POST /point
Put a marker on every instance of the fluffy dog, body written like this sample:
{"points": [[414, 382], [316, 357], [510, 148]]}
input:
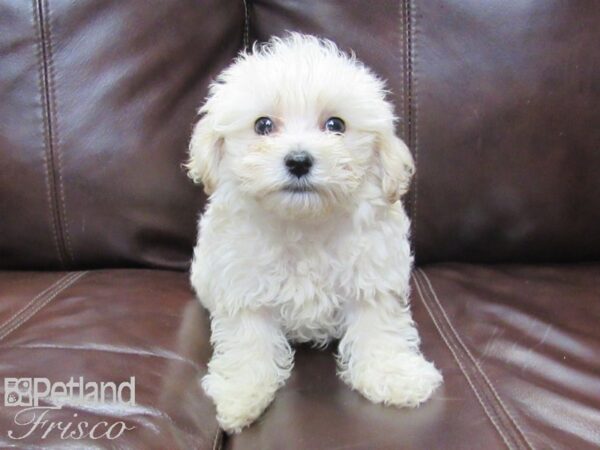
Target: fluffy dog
{"points": [[304, 238]]}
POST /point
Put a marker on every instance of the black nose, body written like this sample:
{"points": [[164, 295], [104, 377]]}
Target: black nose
{"points": [[298, 162]]}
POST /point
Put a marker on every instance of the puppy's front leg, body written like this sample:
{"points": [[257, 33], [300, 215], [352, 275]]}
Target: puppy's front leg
{"points": [[251, 359], [379, 354]]}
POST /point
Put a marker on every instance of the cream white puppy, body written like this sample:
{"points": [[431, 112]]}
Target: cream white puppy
{"points": [[304, 238]]}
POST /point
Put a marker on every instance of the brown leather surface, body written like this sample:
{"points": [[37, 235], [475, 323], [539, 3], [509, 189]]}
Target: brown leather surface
{"points": [[517, 374], [96, 114], [507, 105], [519, 348], [98, 100], [532, 334], [500, 104], [110, 325]]}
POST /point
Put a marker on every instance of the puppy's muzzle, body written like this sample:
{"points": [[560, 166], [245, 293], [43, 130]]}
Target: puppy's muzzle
{"points": [[298, 163]]}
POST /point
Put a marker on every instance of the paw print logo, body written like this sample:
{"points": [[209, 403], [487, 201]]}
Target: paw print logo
{"points": [[17, 392]]}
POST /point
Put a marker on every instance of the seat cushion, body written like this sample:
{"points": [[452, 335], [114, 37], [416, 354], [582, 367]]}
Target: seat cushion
{"points": [[519, 348], [109, 326]]}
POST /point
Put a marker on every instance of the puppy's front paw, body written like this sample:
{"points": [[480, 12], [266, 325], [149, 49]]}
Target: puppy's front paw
{"points": [[400, 379], [238, 401]]}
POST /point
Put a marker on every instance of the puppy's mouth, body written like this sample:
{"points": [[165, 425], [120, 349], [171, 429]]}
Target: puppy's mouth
{"points": [[298, 188]]}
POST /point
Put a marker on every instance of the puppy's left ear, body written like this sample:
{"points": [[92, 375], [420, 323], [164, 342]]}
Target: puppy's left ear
{"points": [[397, 166], [205, 153]]}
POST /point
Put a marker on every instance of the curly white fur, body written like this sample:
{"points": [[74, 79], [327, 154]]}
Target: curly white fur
{"points": [[331, 262]]}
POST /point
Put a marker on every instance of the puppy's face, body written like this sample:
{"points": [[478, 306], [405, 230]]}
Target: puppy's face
{"points": [[300, 127]]}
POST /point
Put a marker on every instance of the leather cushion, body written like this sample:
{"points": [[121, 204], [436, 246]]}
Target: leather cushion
{"points": [[519, 350], [110, 325], [98, 103]]}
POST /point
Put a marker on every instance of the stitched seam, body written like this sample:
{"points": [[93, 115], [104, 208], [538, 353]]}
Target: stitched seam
{"points": [[402, 70], [47, 153], [55, 135], [407, 68], [474, 362], [53, 156], [246, 25], [462, 368], [46, 291], [413, 109], [217, 439], [477, 375], [519, 432], [41, 304], [8, 326]]}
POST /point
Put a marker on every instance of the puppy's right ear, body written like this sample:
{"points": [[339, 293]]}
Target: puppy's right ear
{"points": [[397, 164], [206, 151]]}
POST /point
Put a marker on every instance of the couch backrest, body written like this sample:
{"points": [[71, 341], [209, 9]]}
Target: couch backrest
{"points": [[97, 102], [499, 102]]}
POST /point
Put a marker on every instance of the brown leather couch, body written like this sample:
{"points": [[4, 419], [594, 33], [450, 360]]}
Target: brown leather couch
{"points": [[498, 100]]}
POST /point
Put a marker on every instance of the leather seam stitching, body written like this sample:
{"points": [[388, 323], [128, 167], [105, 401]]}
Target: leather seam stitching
{"points": [[43, 301], [246, 37], [217, 441], [47, 153], [413, 110], [55, 135], [520, 435], [401, 45], [46, 291], [460, 363]]}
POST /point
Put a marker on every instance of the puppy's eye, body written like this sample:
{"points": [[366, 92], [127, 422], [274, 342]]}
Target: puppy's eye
{"points": [[263, 126], [335, 125]]}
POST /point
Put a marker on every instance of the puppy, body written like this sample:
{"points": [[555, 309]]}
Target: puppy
{"points": [[304, 238]]}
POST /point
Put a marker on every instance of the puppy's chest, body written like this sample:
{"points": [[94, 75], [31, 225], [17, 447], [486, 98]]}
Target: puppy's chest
{"points": [[314, 272], [311, 297]]}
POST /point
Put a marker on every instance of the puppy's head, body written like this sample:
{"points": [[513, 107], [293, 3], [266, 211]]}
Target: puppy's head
{"points": [[300, 127]]}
